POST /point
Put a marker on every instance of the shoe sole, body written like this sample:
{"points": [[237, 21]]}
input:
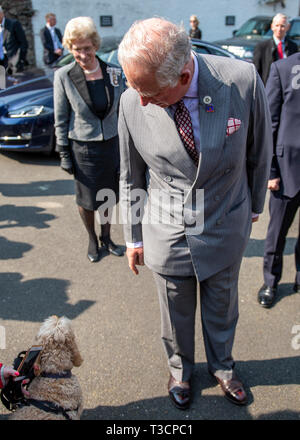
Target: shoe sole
{"points": [[182, 408]]}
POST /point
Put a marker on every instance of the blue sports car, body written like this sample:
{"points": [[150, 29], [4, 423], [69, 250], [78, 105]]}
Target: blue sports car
{"points": [[26, 109]]}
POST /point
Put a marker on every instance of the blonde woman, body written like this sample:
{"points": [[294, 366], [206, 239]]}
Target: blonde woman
{"points": [[195, 32], [86, 97]]}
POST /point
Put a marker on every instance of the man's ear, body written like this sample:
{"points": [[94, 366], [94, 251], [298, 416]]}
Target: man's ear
{"points": [[185, 77]]}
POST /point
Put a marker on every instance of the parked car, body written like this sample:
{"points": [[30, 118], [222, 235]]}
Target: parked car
{"points": [[203, 47], [246, 38], [26, 109], [294, 31], [252, 32]]}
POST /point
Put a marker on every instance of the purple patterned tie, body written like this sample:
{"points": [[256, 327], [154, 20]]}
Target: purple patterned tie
{"points": [[184, 126]]}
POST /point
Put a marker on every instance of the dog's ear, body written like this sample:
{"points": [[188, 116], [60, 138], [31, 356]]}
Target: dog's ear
{"points": [[76, 357]]}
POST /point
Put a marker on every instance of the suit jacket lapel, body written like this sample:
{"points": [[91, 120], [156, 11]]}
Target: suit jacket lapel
{"points": [[48, 36], [77, 76], [212, 124], [5, 31], [162, 126], [108, 87]]}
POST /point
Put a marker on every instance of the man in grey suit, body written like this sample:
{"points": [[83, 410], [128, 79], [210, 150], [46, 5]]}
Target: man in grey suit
{"points": [[195, 144]]}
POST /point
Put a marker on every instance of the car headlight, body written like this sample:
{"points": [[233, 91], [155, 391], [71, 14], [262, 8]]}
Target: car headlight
{"points": [[248, 54], [29, 111]]}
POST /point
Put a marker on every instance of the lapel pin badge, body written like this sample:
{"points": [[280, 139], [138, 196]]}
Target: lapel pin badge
{"points": [[209, 108], [114, 73]]}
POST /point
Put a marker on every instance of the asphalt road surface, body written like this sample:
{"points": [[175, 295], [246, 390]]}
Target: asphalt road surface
{"points": [[115, 314]]}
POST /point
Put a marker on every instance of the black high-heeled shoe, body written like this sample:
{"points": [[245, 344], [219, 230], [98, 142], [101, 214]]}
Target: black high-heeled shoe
{"points": [[93, 252], [111, 247]]}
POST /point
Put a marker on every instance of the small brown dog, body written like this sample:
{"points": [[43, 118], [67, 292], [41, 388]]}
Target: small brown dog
{"points": [[55, 393]]}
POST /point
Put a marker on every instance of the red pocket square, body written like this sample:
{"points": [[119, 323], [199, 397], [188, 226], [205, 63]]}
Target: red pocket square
{"points": [[232, 126]]}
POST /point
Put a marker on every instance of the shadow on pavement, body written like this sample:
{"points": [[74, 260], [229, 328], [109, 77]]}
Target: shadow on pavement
{"points": [[12, 249], [39, 188], [283, 290], [32, 158], [12, 216], [258, 373], [37, 299], [255, 248]]}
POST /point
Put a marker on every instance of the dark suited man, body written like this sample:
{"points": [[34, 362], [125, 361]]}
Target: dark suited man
{"points": [[13, 44], [275, 48], [51, 39], [191, 125], [283, 92]]}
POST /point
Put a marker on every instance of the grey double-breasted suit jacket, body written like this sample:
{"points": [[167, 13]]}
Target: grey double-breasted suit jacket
{"points": [[232, 172]]}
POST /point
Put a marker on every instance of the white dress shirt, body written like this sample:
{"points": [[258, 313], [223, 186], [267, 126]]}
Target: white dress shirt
{"points": [[277, 41], [56, 43]]}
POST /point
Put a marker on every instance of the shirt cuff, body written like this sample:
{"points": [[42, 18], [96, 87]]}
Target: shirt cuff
{"points": [[2, 380], [138, 244], [254, 215]]}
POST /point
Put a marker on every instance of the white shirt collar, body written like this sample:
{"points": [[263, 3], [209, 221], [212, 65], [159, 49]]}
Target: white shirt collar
{"points": [[51, 28], [277, 40], [193, 89]]}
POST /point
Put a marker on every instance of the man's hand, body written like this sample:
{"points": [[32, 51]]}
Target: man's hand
{"points": [[273, 184], [135, 258]]}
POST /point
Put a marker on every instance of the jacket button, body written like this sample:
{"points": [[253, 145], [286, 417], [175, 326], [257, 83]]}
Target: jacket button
{"points": [[217, 198], [219, 221], [227, 171], [168, 179]]}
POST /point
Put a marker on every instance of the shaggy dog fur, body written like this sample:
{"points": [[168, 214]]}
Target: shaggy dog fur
{"points": [[59, 354]]}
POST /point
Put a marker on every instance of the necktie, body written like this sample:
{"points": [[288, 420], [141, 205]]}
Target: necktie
{"points": [[279, 49], [184, 126]]}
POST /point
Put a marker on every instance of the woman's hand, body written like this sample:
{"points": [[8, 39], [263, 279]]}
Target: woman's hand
{"points": [[66, 162], [9, 371]]}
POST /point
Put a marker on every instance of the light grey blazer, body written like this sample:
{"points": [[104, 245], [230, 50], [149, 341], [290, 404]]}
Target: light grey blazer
{"points": [[233, 171], [73, 109]]}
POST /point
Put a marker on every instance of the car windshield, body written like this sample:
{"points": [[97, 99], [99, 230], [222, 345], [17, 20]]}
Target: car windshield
{"points": [[209, 49], [295, 30], [108, 52], [110, 56], [254, 27]]}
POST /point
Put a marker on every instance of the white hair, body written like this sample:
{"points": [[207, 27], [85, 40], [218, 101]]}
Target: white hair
{"points": [[156, 45], [79, 28], [279, 16]]}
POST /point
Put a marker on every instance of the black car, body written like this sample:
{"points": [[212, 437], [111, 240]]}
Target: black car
{"points": [[26, 109]]}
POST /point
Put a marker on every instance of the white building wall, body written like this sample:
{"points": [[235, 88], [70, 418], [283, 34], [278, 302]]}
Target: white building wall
{"points": [[210, 12]]}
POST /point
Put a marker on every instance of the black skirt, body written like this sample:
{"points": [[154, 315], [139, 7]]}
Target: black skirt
{"points": [[96, 167]]}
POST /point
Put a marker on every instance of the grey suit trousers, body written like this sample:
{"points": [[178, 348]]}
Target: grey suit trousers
{"points": [[219, 315]]}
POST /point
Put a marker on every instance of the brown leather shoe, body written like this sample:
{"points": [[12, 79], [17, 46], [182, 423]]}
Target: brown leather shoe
{"points": [[233, 390], [179, 393]]}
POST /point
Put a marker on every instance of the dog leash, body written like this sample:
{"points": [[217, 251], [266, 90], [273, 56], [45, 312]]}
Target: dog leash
{"points": [[47, 406]]}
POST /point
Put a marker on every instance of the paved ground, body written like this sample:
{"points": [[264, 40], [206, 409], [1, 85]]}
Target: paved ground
{"points": [[44, 271]]}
